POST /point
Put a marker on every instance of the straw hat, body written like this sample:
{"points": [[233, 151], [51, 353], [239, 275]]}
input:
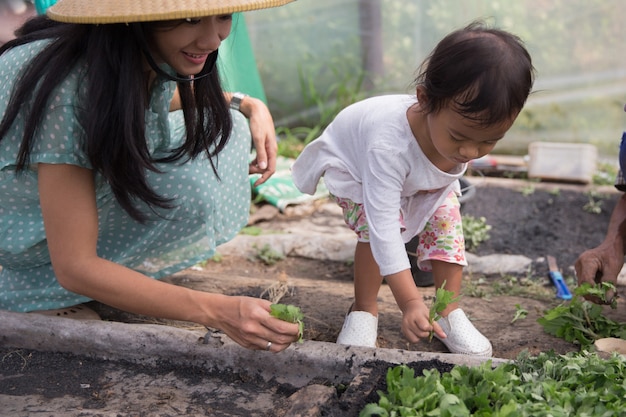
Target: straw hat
{"points": [[127, 11]]}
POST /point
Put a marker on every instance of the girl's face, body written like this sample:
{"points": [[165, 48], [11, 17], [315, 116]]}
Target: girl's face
{"points": [[449, 138], [185, 45], [459, 139]]}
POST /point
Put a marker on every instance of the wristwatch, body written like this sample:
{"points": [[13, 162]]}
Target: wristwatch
{"points": [[236, 99]]}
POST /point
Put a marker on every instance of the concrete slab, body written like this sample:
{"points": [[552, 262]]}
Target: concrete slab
{"points": [[148, 344], [136, 369]]}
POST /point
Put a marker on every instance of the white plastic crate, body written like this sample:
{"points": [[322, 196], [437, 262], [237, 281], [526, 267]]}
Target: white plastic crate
{"points": [[570, 162]]}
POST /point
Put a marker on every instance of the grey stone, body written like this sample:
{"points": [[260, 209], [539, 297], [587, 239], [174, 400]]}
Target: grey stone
{"points": [[497, 264]]}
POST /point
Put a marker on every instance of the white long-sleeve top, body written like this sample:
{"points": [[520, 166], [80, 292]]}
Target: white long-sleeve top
{"points": [[369, 155]]}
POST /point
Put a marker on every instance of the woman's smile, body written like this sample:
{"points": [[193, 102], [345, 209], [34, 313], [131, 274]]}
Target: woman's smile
{"points": [[196, 59]]}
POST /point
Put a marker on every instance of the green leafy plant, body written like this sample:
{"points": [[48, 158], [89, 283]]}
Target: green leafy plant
{"points": [[290, 313], [520, 313], [581, 321], [251, 231], [443, 298], [475, 230], [576, 384], [217, 258], [289, 145], [267, 255], [594, 205], [605, 174], [528, 190]]}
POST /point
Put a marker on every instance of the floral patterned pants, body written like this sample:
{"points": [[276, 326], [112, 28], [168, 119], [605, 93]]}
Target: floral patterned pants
{"points": [[442, 237]]}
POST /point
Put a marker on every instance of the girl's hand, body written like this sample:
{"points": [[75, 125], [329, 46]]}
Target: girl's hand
{"points": [[248, 322], [415, 313], [264, 138], [415, 323]]}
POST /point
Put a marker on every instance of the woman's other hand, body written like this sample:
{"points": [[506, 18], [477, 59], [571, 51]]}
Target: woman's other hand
{"points": [[264, 137]]}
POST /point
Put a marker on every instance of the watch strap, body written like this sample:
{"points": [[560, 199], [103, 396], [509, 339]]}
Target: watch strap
{"points": [[236, 99]]}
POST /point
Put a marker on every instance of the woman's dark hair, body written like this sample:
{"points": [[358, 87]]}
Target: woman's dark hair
{"points": [[113, 114], [486, 73]]}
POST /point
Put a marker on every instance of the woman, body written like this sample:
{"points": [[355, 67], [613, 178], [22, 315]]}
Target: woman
{"points": [[97, 197]]}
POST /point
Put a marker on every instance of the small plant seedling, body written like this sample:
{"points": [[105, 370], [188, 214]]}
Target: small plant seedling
{"points": [[217, 258], [605, 174], [443, 298], [581, 321], [267, 255], [528, 190], [290, 313], [251, 231], [475, 231], [549, 384], [520, 313], [601, 291], [593, 206]]}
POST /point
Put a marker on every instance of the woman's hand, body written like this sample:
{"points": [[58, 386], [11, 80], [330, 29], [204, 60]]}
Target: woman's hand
{"points": [[263, 135], [248, 322]]}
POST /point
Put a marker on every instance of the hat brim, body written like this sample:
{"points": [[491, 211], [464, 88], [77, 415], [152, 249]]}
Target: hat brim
{"points": [[128, 11]]}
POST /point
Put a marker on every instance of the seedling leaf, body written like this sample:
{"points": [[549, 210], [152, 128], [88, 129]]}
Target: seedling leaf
{"points": [[581, 321], [520, 313], [290, 313], [443, 298], [575, 384]]}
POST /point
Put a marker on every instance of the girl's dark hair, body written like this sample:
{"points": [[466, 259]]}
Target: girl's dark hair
{"points": [[486, 73], [113, 112]]}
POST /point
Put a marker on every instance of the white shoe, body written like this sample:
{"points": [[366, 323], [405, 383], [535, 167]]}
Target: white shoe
{"points": [[463, 337], [360, 328]]}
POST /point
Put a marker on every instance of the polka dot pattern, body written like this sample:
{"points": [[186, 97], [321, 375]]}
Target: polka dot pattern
{"points": [[208, 210]]}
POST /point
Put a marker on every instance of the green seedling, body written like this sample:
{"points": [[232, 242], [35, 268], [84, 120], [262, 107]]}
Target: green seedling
{"points": [[520, 313], [251, 231], [581, 321], [593, 206], [289, 313], [475, 230], [267, 255], [550, 384], [528, 190], [443, 298]]}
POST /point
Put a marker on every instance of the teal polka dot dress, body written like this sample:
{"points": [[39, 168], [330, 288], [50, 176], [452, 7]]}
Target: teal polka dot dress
{"points": [[208, 212]]}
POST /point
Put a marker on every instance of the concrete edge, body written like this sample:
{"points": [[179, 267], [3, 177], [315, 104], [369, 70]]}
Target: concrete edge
{"points": [[517, 184], [150, 344]]}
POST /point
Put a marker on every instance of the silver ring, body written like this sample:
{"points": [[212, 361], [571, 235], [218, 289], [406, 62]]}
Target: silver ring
{"points": [[269, 346]]}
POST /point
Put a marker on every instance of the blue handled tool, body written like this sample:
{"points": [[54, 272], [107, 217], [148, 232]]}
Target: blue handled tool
{"points": [[562, 291]]}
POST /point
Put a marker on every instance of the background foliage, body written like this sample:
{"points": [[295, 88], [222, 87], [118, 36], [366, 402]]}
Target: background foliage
{"points": [[577, 47]]}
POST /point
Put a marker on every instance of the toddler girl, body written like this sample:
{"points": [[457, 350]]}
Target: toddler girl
{"points": [[393, 163]]}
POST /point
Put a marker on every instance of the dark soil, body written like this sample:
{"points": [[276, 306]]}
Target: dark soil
{"points": [[550, 220]]}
